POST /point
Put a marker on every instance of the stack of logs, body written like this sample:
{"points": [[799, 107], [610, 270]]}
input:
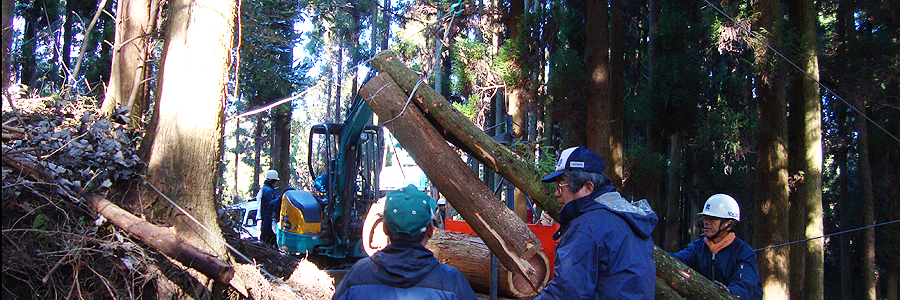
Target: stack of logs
{"points": [[422, 121]]}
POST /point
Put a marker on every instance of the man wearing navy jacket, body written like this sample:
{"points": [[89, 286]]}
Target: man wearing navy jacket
{"points": [[720, 255], [604, 249]]}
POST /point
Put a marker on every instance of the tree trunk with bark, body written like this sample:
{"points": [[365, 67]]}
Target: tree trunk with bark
{"points": [[7, 31], [281, 143], [597, 101], [457, 129], [185, 153], [673, 200], [615, 163], [135, 23], [517, 92], [771, 165], [869, 282], [805, 156], [506, 235]]}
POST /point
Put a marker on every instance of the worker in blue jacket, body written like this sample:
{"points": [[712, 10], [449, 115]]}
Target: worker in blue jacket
{"points": [[604, 249], [268, 200], [405, 269], [720, 255]]}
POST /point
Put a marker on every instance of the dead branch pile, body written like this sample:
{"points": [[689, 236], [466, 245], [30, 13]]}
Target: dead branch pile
{"points": [[55, 247]]}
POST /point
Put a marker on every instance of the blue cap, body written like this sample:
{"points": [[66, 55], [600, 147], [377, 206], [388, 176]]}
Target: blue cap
{"points": [[408, 210], [577, 158]]}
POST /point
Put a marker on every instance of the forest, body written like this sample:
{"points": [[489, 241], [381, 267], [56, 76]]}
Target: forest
{"points": [[171, 110]]}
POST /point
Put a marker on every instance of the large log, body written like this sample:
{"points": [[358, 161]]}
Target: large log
{"points": [[684, 280], [515, 246], [469, 255], [459, 130], [164, 240]]}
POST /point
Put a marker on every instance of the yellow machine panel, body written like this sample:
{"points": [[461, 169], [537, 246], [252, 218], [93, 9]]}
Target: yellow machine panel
{"points": [[300, 213]]}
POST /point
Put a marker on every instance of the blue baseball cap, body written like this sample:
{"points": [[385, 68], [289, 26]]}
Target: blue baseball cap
{"points": [[577, 158], [408, 210]]}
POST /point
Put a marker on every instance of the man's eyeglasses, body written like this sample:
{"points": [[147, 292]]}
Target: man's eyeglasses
{"points": [[560, 185]]}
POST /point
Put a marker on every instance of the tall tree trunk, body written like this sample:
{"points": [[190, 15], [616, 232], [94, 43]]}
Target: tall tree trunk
{"points": [[68, 33], [438, 56], [841, 161], [596, 54], [385, 24], [869, 283], [615, 163], [517, 93], [281, 143], [673, 200], [134, 22], [771, 165], [184, 156], [7, 30], [805, 155], [29, 61], [258, 143], [338, 79]]}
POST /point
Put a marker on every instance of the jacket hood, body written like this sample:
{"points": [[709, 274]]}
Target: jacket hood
{"points": [[641, 222], [403, 264]]}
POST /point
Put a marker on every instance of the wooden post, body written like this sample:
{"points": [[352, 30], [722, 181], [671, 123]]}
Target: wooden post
{"points": [[460, 131], [502, 231]]}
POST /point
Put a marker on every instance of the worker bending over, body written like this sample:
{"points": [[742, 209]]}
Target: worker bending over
{"points": [[405, 269], [720, 255]]}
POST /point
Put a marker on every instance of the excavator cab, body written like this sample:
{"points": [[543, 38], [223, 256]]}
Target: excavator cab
{"points": [[344, 161]]}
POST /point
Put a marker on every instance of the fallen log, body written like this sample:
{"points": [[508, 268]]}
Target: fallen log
{"points": [[164, 240], [684, 280], [460, 131], [160, 238], [502, 231], [469, 255]]}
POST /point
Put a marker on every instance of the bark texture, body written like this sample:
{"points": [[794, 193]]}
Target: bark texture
{"points": [[164, 240], [184, 155], [135, 22], [597, 101], [472, 258], [771, 165], [457, 129], [806, 157]]}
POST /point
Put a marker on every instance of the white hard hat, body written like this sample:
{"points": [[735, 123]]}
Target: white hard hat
{"points": [[442, 201], [721, 206], [272, 174]]}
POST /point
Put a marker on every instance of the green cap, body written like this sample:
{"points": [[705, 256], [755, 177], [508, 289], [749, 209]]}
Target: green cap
{"points": [[408, 210]]}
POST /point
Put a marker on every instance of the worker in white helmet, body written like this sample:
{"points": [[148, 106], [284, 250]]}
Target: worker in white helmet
{"points": [[720, 255], [266, 199]]}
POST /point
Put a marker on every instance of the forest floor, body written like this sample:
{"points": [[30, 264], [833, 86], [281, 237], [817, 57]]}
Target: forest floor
{"points": [[55, 247]]}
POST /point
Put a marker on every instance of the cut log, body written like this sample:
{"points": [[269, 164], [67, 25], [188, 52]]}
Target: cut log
{"points": [[684, 280], [164, 240], [515, 246], [459, 130], [469, 255]]}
